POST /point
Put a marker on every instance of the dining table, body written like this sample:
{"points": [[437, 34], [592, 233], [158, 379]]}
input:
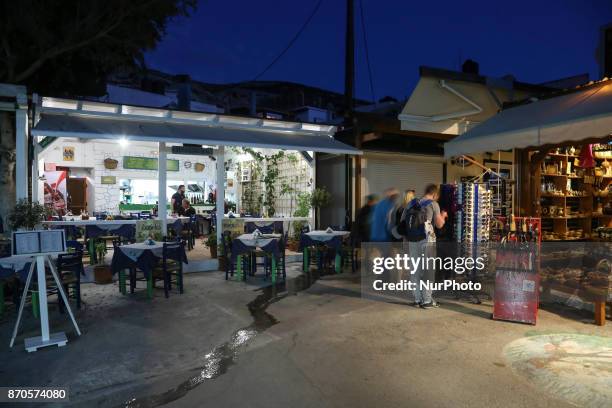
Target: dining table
{"points": [[330, 238], [246, 244], [142, 255], [94, 228]]}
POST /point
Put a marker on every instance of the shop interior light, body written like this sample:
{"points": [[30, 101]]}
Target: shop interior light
{"points": [[123, 142]]}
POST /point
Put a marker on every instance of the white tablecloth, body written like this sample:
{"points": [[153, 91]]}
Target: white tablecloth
{"points": [[322, 235], [15, 263], [253, 241], [133, 251]]}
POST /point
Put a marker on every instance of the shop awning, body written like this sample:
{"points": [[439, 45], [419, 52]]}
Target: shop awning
{"points": [[66, 118], [572, 116]]}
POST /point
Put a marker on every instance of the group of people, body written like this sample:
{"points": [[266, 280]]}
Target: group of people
{"points": [[405, 218]]}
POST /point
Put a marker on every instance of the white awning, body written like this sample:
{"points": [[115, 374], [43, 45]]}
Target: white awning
{"points": [[59, 118], [575, 116]]}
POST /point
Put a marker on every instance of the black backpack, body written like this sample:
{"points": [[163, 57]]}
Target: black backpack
{"points": [[412, 225]]}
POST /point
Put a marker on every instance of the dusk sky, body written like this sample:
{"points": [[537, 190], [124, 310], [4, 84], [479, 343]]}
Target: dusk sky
{"points": [[535, 40]]}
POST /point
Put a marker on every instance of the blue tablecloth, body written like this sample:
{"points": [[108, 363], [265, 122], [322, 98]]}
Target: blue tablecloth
{"points": [[145, 261], [265, 227], [127, 231], [240, 247], [12, 266], [333, 242]]}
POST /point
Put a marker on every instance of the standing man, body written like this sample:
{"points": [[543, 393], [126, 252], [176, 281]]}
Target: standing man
{"points": [[420, 217], [177, 199]]}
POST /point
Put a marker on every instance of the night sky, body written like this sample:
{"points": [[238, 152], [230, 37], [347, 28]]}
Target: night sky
{"points": [[234, 40]]}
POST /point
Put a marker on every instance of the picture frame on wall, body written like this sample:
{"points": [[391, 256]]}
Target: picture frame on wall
{"points": [[68, 153]]}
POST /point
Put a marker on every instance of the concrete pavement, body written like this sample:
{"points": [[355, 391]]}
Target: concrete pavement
{"points": [[325, 346]]}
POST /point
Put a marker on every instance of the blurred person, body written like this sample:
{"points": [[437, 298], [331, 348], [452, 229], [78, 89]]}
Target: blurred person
{"points": [[421, 237], [177, 199], [186, 209], [380, 230], [395, 215], [361, 227]]}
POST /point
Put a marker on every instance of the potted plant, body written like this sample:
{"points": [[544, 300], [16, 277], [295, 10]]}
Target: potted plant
{"points": [[320, 198], [302, 210], [211, 243], [27, 215], [102, 272]]}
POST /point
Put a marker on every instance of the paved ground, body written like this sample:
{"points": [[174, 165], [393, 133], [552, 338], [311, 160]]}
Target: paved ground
{"points": [[324, 346]]}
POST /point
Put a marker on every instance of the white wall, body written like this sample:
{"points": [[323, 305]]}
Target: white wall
{"points": [[91, 155]]}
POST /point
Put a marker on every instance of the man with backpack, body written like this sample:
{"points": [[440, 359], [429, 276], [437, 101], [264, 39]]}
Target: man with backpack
{"points": [[417, 226]]}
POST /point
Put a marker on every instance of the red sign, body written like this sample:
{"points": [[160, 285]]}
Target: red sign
{"points": [[516, 296]]}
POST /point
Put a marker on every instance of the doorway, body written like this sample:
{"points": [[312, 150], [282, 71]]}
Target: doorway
{"points": [[77, 195]]}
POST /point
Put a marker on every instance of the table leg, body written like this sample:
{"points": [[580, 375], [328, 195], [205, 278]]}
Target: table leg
{"points": [[239, 268], [92, 250], [122, 282], [338, 262], [600, 313], [306, 259], [273, 270], [150, 286]]}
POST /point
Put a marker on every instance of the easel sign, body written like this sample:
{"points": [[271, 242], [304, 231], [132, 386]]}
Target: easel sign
{"points": [[41, 244]]}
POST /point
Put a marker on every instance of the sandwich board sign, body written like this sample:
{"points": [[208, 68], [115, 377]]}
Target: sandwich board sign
{"points": [[41, 245]]}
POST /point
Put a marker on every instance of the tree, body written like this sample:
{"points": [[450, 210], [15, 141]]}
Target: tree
{"points": [[70, 47]]}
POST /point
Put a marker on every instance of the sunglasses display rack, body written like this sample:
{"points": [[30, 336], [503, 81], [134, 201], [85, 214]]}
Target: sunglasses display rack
{"points": [[474, 217]]}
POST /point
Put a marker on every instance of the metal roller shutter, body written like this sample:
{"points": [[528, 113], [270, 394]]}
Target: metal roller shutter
{"points": [[403, 172]]}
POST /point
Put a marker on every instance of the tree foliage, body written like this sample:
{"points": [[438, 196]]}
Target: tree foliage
{"points": [[69, 47]]}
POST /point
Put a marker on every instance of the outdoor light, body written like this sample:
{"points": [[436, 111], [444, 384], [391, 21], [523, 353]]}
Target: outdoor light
{"points": [[123, 142]]}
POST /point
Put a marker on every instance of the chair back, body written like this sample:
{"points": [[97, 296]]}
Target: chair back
{"points": [[173, 250], [6, 272], [305, 229], [283, 243], [74, 245], [71, 262], [226, 243]]}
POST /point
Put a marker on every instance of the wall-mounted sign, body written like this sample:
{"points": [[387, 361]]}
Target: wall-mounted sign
{"points": [[192, 150], [108, 180], [68, 154], [199, 167], [187, 164], [147, 163]]}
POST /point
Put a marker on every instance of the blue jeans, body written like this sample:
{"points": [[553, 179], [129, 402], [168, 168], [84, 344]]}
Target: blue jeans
{"points": [[422, 274]]}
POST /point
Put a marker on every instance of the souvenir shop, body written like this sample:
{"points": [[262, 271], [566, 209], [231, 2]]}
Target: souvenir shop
{"points": [[558, 196]]}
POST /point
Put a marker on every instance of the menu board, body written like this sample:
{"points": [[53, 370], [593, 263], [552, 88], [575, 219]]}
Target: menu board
{"points": [[148, 163], [38, 242]]}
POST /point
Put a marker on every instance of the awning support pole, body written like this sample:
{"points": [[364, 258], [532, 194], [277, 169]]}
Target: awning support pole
{"points": [[21, 150], [162, 206], [220, 192], [485, 168]]}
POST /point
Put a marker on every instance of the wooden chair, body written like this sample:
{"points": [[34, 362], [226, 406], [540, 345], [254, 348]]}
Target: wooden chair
{"points": [[170, 268], [70, 268]]}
